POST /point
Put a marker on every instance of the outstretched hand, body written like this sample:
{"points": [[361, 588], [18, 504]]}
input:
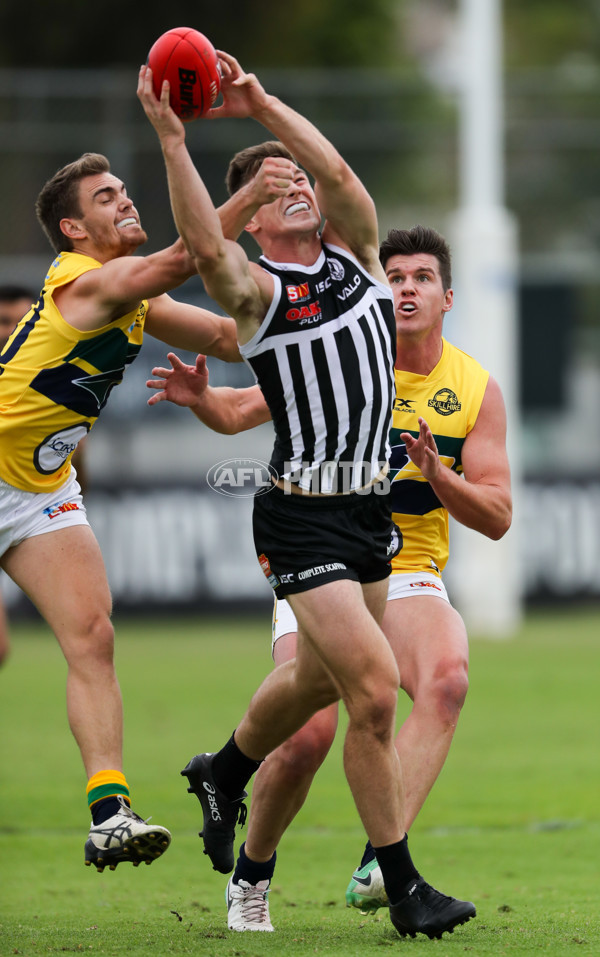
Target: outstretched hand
{"points": [[181, 384], [243, 94], [159, 111], [423, 451]]}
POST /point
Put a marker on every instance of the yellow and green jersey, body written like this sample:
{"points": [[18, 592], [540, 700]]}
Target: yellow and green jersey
{"points": [[449, 399], [55, 380]]}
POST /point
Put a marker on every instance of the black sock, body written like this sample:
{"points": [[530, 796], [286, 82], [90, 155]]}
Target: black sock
{"points": [[102, 810], [397, 868], [232, 769], [368, 855], [253, 871]]}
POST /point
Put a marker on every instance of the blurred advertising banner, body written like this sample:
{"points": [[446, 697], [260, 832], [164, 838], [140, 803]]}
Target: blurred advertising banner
{"points": [[190, 549]]}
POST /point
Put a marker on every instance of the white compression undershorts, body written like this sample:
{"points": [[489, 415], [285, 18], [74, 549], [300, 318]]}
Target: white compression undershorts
{"points": [[402, 585]]}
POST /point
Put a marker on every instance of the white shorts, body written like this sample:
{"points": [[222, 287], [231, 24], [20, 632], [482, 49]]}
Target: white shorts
{"points": [[25, 514], [401, 586]]}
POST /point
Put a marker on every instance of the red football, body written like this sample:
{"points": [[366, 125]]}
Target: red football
{"points": [[190, 63]]}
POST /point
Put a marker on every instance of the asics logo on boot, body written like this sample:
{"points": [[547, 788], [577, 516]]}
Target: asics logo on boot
{"points": [[212, 801]]}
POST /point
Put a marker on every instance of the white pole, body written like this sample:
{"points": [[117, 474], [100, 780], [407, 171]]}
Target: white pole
{"points": [[484, 576]]}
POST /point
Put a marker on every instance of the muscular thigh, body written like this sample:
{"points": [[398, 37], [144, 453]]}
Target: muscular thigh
{"points": [[335, 622], [63, 574], [426, 634]]}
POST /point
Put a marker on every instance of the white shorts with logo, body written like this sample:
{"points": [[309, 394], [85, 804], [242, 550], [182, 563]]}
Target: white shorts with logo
{"points": [[401, 586], [26, 514]]}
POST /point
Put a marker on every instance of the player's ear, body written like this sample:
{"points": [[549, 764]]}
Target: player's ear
{"points": [[448, 300], [251, 226], [72, 228]]}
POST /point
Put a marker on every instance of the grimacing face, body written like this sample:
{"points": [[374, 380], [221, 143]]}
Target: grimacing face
{"points": [[295, 212], [109, 222]]}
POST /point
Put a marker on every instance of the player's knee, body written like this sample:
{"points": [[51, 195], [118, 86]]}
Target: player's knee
{"points": [[306, 750], [92, 640], [449, 689], [374, 709]]}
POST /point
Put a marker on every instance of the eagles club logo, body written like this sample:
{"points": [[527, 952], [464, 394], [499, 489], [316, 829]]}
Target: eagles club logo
{"points": [[445, 402]]}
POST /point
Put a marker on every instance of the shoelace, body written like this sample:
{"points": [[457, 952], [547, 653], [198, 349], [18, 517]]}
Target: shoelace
{"points": [[127, 811], [254, 905]]}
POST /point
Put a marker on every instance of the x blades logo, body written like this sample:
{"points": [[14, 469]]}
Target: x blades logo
{"points": [[403, 405], [241, 478]]}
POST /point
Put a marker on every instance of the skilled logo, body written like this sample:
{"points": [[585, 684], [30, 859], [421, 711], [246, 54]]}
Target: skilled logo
{"points": [[336, 270], [445, 402], [298, 293], [241, 478]]}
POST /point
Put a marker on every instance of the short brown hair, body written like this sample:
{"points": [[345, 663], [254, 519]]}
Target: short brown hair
{"points": [[60, 196], [245, 164], [419, 239]]}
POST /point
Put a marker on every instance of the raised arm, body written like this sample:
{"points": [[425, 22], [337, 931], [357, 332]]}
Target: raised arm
{"points": [[222, 409], [243, 290], [483, 501], [102, 295], [272, 181], [343, 199]]}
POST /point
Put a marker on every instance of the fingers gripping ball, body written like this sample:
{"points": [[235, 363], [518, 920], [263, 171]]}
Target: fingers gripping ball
{"points": [[188, 60]]}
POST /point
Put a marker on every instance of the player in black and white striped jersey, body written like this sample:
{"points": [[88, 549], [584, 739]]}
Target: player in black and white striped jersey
{"points": [[324, 535], [322, 356]]}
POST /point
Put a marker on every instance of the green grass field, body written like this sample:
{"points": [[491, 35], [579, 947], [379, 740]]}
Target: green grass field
{"points": [[513, 823]]}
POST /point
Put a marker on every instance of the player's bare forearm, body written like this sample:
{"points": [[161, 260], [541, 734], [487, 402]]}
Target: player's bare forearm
{"points": [[482, 500], [183, 326], [195, 216], [342, 196], [484, 506], [230, 411]]}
